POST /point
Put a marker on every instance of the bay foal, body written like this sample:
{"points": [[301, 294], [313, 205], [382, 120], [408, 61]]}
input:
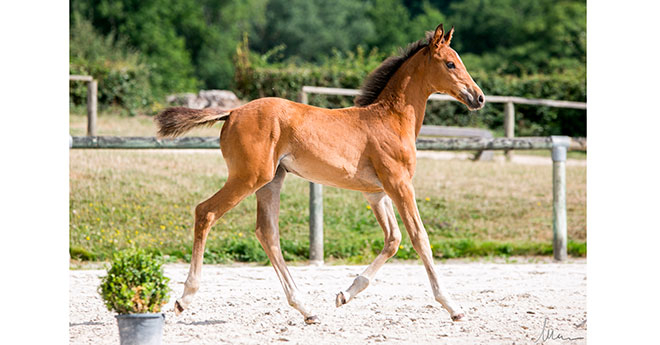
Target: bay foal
{"points": [[369, 148]]}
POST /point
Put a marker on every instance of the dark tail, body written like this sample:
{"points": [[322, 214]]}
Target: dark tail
{"points": [[175, 121]]}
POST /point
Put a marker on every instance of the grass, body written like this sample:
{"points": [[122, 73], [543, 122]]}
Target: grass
{"points": [[146, 198]]}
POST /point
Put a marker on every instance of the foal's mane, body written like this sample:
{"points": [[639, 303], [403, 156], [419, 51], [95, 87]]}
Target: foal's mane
{"points": [[378, 79]]}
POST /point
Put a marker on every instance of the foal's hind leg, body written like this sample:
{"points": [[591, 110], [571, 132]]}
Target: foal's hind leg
{"points": [[268, 207], [382, 207], [206, 214]]}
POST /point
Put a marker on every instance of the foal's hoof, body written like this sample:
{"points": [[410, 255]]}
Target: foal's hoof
{"points": [[457, 317], [312, 320], [340, 300], [178, 309]]}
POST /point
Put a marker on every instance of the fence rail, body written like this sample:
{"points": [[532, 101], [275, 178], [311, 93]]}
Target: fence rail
{"points": [[447, 131], [111, 142], [438, 144]]}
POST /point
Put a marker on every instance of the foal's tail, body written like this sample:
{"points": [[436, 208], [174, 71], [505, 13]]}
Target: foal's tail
{"points": [[175, 121]]}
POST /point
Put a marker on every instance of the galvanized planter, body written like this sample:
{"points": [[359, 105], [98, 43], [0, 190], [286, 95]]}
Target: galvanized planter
{"points": [[141, 329]]}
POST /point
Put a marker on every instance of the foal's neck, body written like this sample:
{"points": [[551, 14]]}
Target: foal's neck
{"points": [[407, 91]]}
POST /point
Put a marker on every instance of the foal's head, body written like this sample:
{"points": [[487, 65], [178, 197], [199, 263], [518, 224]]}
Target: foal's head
{"points": [[447, 74]]}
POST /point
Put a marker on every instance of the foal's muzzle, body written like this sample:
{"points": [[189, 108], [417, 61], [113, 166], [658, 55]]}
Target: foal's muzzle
{"points": [[475, 100]]}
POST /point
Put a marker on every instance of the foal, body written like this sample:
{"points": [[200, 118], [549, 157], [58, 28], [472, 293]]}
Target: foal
{"points": [[368, 148]]}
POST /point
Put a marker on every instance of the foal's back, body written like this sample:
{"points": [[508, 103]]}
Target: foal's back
{"points": [[328, 146]]}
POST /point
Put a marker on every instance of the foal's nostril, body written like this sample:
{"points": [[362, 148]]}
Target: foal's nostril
{"points": [[481, 99]]}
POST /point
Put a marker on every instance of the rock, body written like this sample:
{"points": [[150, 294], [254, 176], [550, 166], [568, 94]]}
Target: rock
{"points": [[205, 99]]}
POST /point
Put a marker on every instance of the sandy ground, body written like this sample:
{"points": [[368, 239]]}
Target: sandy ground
{"points": [[505, 303]]}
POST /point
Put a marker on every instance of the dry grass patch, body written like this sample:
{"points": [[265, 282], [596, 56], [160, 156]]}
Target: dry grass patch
{"points": [[122, 198]]}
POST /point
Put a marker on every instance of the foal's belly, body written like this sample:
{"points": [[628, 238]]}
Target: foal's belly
{"points": [[333, 171]]}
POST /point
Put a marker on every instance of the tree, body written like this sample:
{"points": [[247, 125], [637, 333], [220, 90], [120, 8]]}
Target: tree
{"points": [[226, 22], [187, 43], [150, 27], [391, 22], [518, 36], [121, 72], [309, 30], [427, 20], [190, 44]]}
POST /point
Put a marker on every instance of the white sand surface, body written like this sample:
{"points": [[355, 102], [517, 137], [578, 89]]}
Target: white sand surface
{"points": [[505, 303]]}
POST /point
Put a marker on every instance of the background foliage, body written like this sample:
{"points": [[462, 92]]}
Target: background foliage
{"points": [[143, 50], [122, 74]]}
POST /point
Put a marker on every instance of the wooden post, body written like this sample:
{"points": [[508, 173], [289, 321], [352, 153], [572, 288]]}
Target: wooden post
{"points": [[92, 89], [559, 239], [303, 98], [509, 123], [315, 214], [315, 224]]}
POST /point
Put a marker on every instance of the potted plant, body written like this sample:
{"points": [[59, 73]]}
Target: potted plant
{"points": [[136, 289]]}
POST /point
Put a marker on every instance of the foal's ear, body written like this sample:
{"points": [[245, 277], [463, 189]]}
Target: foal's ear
{"points": [[437, 39], [448, 35]]}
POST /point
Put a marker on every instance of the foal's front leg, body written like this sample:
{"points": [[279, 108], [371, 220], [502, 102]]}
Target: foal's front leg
{"points": [[403, 195], [268, 208], [381, 204]]}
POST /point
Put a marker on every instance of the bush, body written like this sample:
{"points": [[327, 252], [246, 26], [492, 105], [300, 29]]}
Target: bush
{"points": [[135, 283], [123, 78]]}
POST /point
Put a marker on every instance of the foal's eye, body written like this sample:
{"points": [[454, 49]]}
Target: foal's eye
{"points": [[451, 65]]}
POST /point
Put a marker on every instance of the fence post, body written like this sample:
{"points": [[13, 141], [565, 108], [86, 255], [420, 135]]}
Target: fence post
{"points": [[315, 224], [509, 125], [315, 215], [559, 146], [92, 89]]}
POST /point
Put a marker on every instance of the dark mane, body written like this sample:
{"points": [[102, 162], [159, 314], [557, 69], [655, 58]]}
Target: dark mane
{"points": [[378, 79]]}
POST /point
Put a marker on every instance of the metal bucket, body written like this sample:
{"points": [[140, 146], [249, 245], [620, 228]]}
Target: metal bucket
{"points": [[140, 329]]}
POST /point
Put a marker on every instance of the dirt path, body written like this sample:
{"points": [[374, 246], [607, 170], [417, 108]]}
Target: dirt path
{"points": [[505, 304]]}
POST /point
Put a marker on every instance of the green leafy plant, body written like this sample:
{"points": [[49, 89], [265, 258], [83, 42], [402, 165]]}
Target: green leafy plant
{"points": [[121, 71], [135, 283]]}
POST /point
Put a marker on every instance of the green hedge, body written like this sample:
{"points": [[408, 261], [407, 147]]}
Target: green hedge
{"points": [[123, 78], [125, 87], [287, 81]]}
